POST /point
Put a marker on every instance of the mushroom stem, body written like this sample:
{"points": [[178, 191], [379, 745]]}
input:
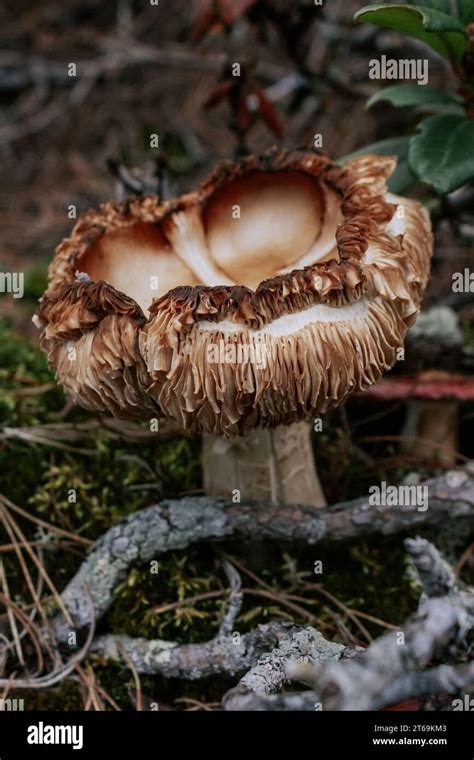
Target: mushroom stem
{"points": [[265, 465], [431, 431]]}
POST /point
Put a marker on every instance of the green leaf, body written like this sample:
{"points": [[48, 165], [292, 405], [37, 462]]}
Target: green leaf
{"points": [[466, 11], [401, 95], [402, 177], [442, 32], [462, 9], [445, 6], [442, 154]]}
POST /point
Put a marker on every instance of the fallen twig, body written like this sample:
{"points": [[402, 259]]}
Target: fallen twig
{"points": [[174, 524], [229, 655], [269, 674], [389, 670]]}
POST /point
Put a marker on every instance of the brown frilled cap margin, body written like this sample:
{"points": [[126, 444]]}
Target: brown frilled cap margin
{"points": [[279, 287]]}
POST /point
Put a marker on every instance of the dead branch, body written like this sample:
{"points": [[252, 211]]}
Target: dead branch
{"points": [[286, 702], [436, 576], [60, 435], [18, 72], [175, 524], [269, 674], [229, 655], [445, 679], [234, 602], [390, 667], [389, 670]]}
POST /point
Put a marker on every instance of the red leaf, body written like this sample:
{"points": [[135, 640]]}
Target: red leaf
{"points": [[205, 19], [218, 94], [269, 114], [243, 117]]}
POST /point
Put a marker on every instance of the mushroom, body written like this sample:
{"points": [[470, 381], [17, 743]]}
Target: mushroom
{"points": [[431, 388], [433, 397], [279, 287]]}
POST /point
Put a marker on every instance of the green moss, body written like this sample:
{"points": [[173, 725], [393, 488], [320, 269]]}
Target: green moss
{"points": [[66, 696], [36, 281], [19, 359], [368, 576], [81, 492], [179, 576]]}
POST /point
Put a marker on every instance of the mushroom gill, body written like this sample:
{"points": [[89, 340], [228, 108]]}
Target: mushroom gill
{"points": [[279, 287]]}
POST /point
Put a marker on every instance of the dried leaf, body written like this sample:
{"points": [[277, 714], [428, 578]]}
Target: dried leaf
{"points": [[269, 114]]}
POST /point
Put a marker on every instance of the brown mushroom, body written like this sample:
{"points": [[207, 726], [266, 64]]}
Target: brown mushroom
{"points": [[278, 288], [431, 428]]}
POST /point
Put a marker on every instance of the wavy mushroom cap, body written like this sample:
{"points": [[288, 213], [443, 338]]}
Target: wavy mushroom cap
{"points": [[278, 288]]}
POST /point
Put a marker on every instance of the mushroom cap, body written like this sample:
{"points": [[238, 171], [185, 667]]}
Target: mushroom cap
{"points": [[279, 287]]}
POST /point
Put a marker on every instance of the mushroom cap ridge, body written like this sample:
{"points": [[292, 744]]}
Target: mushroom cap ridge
{"points": [[227, 358]]}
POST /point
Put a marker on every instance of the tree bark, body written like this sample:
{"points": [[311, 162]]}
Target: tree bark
{"points": [[276, 466]]}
